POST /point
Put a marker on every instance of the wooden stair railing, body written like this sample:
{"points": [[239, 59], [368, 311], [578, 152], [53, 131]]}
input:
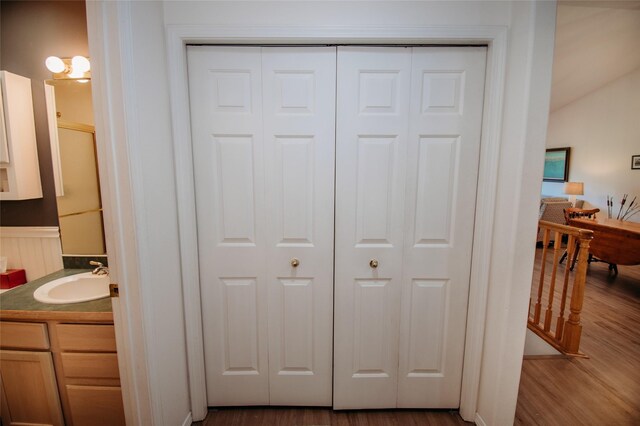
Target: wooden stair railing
{"points": [[565, 334]]}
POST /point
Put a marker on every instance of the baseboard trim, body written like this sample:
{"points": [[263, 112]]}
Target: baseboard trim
{"points": [[533, 357], [479, 420], [188, 420]]}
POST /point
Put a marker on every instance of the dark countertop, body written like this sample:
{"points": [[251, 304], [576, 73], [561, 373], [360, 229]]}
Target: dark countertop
{"points": [[20, 299]]}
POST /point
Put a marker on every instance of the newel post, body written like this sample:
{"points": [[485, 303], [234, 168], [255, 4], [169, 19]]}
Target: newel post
{"points": [[573, 326]]}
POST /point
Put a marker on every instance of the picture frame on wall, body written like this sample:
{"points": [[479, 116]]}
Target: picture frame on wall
{"points": [[635, 162], [556, 165]]}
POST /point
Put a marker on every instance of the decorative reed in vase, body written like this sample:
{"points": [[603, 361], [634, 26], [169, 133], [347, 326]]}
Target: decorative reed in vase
{"points": [[623, 214]]}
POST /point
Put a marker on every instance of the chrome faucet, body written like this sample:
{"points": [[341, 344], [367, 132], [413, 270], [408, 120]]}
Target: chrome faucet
{"points": [[100, 270]]}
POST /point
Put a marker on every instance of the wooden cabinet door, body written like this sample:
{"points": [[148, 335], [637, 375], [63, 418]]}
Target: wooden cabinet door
{"points": [[29, 392]]}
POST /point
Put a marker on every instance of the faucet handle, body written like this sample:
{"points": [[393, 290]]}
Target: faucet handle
{"points": [[100, 268]]}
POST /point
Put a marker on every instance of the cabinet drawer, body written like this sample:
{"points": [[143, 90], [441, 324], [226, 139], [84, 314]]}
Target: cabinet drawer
{"points": [[90, 365], [85, 337], [96, 405], [23, 335]]}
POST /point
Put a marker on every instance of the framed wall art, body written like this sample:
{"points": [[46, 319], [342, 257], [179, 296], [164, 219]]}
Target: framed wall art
{"points": [[556, 165]]}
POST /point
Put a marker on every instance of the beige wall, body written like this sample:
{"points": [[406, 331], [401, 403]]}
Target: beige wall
{"points": [[73, 101], [603, 131]]}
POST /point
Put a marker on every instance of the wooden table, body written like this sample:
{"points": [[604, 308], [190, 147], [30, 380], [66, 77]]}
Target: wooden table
{"points": [[616, 242]]}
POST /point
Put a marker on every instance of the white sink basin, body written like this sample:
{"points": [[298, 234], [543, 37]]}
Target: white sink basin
{"points": [[73, 289]]}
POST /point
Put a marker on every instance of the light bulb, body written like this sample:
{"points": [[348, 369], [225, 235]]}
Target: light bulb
{"points": [[80, 64], [75, 73], [55, 64]]}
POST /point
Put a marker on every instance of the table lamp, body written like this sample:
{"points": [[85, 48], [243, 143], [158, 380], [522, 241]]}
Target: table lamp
{"points": [[572, 189]]}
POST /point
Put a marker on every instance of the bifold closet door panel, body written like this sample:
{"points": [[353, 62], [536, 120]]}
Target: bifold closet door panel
{"points": [[408, 144], [264, 149], [371, 140], [442, 173], [299, 137], [228, 148]]}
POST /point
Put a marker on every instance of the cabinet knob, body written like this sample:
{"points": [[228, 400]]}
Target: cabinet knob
{"points": [[373, 263], [295, 262]]}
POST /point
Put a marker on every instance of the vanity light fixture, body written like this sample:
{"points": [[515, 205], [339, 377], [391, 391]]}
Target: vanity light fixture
{"points": [[76, 68]]}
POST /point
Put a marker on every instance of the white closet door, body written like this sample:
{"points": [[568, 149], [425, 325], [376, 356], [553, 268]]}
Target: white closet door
{"points": [[299, 139], [263, 144], [226, 112], [408, 138], [371, 140], [442, 172]]}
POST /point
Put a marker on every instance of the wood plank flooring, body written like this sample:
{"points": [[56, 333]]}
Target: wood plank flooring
{"points": [[286, 416], [605, 388]]}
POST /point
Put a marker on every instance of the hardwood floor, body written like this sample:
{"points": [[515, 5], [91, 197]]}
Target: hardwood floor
{"points": [[286, 416], [605, 388]]}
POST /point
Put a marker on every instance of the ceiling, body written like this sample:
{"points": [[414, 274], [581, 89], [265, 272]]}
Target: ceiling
{"points": [[597, 42]]}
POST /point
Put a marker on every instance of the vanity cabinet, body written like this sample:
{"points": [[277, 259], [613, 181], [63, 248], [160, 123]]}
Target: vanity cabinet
{"points": [[27, 376], [53, 370], [89, 373], [19, 168]]}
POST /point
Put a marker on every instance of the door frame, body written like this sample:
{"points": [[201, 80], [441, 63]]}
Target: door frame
{"points": [[494, 37]]}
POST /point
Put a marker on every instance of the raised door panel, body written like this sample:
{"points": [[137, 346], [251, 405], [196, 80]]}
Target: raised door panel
{"points": [[226, 110], [299, 139], [377, 168], [28, 388], [437, 170], [441, 185], [373, 314], [371, 131]]}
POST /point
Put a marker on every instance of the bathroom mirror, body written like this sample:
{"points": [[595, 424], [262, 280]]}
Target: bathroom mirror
{"points": [[75, 167]]}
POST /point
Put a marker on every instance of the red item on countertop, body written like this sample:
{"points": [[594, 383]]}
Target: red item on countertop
{"points": [[12, 278]]}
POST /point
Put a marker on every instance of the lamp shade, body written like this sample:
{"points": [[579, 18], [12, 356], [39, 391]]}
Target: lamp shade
{"points": [[574, 188]]}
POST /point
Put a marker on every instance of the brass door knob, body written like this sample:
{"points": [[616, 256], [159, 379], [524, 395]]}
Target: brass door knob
{"points": [[295, 262], [373, 263]]}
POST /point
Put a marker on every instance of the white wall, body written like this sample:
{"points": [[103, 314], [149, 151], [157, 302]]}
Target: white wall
{"points": [[603, 131], [36, 249], [527, 94], [131, 105], [139, 29]]}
